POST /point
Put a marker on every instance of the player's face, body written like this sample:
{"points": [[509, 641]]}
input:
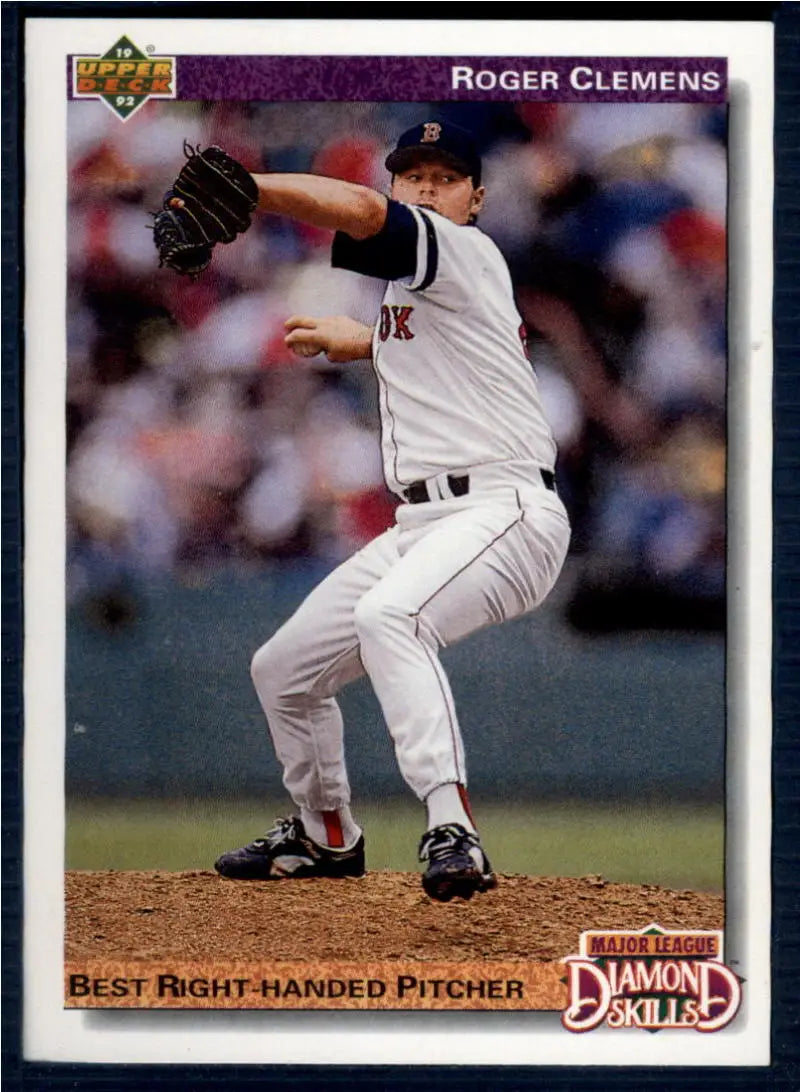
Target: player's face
{"points": [[441, 188]]}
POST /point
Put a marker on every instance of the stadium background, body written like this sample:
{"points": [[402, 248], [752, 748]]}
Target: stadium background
{"points": [[212, 479]]}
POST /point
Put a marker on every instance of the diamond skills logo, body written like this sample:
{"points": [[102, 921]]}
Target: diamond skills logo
{"points": [[124, 78], [653, 978]]}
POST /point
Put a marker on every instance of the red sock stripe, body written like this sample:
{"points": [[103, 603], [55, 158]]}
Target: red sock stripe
{"points": [[462, 792], [333, 829]]}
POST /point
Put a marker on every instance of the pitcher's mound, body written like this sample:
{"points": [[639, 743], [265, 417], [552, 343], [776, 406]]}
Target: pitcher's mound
{"points": [[191, 916]]}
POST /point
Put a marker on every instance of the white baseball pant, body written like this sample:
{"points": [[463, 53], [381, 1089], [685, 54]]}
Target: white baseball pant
{"points": [[446, 569]]}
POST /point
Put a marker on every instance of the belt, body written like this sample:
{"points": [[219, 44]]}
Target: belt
{"points": [[418, 492]]}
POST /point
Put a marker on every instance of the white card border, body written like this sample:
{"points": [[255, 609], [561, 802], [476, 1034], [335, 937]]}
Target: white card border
{"points": [[54, 1034]]}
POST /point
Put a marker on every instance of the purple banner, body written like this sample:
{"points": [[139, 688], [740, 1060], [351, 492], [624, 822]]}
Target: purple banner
{"points": [[443, 79], [418, 79]]}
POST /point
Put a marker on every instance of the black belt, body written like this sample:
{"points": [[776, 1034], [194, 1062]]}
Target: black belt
{"points": [[417, 492]]}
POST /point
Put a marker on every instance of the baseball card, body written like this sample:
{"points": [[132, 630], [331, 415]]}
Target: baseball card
{"points": [[398, 440]]}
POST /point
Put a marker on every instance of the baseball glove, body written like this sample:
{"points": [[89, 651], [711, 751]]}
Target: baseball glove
{"points": [[210, 202]]}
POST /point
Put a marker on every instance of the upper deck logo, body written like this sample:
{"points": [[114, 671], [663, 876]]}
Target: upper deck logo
{"points": [[654, 978], [124, 78]]}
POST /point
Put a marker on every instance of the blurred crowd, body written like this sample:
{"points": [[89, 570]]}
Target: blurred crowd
{"points": [[196, 439]]}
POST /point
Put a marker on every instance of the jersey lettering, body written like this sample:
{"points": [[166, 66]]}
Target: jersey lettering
{"points": [[401, 317], [394, 321], [523, 337]]}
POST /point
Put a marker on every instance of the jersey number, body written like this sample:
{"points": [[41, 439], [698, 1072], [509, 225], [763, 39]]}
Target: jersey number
{"points": [[394, 323]]}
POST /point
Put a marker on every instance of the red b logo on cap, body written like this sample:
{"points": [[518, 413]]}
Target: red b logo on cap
{"points": [[431, 131]]}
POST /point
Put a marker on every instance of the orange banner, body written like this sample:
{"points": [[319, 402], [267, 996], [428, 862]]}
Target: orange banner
{"points": [[490, 986], [666, 943]]}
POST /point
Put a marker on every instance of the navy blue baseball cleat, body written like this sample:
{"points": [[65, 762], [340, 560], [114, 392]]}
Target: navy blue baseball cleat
{"points": [[287, 852], [457, 865]]}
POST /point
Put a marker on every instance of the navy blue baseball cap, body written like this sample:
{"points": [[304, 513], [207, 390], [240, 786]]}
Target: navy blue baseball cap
{"points": [[437, 140]]}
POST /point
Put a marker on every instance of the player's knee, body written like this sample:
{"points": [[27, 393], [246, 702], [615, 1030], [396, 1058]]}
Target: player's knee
{"points": [[375, 616], [269, 672]]}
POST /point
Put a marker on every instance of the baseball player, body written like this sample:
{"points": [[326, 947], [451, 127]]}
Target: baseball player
{"points": [[480, 534]]}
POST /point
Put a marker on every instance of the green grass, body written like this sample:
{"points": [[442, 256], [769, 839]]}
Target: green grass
{"points": [[670, 845]]}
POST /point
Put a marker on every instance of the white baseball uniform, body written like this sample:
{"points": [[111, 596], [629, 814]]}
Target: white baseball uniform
{"points": [[482, 534]]}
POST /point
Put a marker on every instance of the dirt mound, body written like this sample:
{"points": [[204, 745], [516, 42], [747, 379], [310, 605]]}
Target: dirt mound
{"points": [[384, 916]]}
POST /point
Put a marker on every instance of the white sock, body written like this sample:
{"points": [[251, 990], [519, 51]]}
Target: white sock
{"points": [[448, 804], [335, 829]]}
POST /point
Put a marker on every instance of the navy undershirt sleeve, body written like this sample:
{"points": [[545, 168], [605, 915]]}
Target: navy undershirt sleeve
{"points": [[390, 255]]}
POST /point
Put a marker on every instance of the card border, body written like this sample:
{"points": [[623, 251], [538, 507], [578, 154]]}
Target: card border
{"points": [[786, 401]]}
